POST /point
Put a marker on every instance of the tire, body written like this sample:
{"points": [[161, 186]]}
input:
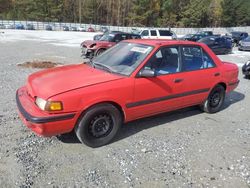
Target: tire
{"points": [[215, 100], [98, 125], [99, 52], [247, 76]]}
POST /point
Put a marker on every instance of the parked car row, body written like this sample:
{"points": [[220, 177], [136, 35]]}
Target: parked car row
{"points": [[221, 44], [18, 26], [217, 43], [49, 27]]}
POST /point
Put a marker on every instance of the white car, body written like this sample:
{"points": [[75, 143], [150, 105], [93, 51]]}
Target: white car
{"points": [[81, 29], [158, 34]]}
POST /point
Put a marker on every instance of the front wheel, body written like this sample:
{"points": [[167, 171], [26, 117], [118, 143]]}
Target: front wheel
{"points": [[99, 125], [215, 100], [99, 52]]}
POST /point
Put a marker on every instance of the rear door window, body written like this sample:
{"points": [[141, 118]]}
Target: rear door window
{"points": [[153, 32], [165, 33], [194, 58]]}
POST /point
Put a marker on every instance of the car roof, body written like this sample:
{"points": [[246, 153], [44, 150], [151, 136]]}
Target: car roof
{"points": [[238, 32], [161, 42]]}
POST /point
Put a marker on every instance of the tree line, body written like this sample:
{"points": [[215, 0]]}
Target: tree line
{"points": [[149, 13]]}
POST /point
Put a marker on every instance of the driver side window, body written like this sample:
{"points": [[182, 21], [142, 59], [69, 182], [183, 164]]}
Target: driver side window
{"points": [[165, 61]]}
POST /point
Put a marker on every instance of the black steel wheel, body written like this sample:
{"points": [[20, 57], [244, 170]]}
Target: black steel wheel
{"points": [[99, 125], [215, 100]]}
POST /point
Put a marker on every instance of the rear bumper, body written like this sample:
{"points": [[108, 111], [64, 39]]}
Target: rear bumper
{"points": [[41, 123]]}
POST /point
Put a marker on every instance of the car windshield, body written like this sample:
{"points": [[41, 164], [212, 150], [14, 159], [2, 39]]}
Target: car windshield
{"points": [[108, 37], [123, 58]]}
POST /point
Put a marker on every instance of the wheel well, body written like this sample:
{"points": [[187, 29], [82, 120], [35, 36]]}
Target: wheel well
{"points": [[108, 102], [101, 49], [223, 85]]}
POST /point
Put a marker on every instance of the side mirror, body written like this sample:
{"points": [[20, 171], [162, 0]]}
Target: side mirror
{"points": [[147, 73]]}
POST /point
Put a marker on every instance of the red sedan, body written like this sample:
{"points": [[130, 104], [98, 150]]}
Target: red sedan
{"points": [[132, 80]]}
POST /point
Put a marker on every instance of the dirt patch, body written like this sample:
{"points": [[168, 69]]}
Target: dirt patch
{"points": [[39, 64]]}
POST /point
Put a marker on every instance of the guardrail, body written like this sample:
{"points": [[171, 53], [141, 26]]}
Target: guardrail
{"points": [[179, 31]]}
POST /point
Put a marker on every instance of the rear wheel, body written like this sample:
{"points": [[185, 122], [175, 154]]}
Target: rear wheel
{"points": [[215, 100], [99, 125]]}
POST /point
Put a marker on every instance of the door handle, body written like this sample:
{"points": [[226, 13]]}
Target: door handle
{"points": [[217, 74], [178, 80]]}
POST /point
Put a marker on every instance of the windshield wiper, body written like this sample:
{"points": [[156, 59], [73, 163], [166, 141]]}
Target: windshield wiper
{"points": [[103, 67]]}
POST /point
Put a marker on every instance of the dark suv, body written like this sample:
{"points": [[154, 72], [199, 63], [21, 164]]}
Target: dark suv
{"points": [[92, 48]]}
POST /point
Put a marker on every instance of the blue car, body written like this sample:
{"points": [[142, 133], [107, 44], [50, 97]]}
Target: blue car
{"points": [[218, 44], [19, 26]]}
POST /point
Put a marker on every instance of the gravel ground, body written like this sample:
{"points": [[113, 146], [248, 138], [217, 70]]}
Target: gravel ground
{"points": [[186, 148]]}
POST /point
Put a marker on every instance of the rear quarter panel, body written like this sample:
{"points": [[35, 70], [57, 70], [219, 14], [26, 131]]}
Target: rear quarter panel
{"points": [[230, 75], [228, 71]]}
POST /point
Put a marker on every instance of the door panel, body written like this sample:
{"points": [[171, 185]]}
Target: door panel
{"points": [[155, 95], [197, 84], [162, 92], [199, 73]]}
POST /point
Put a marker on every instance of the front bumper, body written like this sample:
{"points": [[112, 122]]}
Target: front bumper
{"points": [[40, 122], [88, 53]]}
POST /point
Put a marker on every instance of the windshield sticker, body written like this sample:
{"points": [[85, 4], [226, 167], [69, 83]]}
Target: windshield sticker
{"points": [[139, 49]]}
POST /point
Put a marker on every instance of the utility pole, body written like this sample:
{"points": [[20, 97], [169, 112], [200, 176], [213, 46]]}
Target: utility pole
{"points": [[80, 11]]}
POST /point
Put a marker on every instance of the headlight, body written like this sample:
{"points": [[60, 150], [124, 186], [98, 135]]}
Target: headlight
{"points": [[49, 105], [41, 103]]}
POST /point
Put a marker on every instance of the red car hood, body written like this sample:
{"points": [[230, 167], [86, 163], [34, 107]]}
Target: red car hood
{"points": [[50, 82], [88, 43]]}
